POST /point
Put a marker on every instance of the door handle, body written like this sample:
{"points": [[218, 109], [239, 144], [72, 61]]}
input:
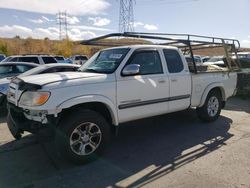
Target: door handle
{"points": [[161, 81], [174, 80]]}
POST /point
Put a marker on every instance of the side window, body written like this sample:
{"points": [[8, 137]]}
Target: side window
{"points": [[23, 68], [174, 61], [14, 59], [48, 60], [29, 59], [149, 61]]}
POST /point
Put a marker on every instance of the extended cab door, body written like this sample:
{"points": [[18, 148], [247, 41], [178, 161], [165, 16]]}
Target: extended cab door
{"points": [[179, 80], [145, 94]]}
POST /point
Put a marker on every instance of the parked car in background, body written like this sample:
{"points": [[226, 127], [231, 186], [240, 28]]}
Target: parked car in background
{"points": [[244, 61], [196, 59], [59, 59], [216, 60], [69, 61], [7, 71], [37, 59], [10, 69], [199, 58], [48, 68], [205, 59], [79, 59], [6, 59], [2, 57], [244, 55]]}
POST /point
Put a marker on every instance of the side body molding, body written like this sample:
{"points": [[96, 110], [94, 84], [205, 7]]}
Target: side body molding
{"points": [[88, 99]]}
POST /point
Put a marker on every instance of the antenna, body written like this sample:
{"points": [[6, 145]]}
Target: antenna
{"points": [[126, 18]]}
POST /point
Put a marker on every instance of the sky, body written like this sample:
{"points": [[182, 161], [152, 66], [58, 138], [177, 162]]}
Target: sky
{"points": [[91, 18]]}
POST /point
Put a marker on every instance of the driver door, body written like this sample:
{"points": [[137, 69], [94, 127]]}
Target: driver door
{"points": [[145, 94]]}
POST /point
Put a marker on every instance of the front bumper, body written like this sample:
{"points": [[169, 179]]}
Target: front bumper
{"points": [[22, 123]]}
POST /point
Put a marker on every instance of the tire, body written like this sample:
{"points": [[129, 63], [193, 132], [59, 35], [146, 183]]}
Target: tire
{"points": [[16, 133], [211, 110], [3, 108], [82, 136]]}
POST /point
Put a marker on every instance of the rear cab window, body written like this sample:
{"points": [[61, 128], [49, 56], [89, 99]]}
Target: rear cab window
{"points": [[173, 60]]}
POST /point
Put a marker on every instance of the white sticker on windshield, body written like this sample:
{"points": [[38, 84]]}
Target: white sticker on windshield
{"points": [[115, 56]]}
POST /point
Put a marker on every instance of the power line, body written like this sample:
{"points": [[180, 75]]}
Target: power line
{"points": [[164, 2], [62, 22], [126, 17]]}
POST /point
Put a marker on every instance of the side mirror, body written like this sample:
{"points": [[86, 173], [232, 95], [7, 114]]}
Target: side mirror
{"points": [[131, 70]]}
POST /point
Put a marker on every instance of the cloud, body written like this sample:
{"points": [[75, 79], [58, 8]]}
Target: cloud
{"points": [[136, 24], [73, 20], [74, 7], [98, 21], [145, 26], [11, 31], [47, 19], [36, 21], [77, 34], [84, 27], [245, 43], [44, 19], [41, 33], [150, 27], [15, 16]]}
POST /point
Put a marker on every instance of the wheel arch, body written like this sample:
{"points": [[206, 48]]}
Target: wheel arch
{"points": [[215, 86], [100, 104]]}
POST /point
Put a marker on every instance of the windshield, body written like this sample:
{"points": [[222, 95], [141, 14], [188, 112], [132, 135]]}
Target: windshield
{"points": [[105, 61], [5, 69], [215, 59], [7, 59], [35, 70]]}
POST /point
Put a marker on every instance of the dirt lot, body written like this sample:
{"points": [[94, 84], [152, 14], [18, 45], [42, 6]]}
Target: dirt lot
{"points": [[175, 150]]}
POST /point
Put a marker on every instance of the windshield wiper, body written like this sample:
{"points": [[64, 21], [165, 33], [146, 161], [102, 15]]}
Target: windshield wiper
{"points": [[91, 70]]}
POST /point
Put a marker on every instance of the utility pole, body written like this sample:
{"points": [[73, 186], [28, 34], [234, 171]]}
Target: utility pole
{"points": [[126, 17], [62, 22]]}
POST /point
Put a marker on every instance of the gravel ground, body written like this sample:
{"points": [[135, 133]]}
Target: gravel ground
{"points": [[174, 150]]}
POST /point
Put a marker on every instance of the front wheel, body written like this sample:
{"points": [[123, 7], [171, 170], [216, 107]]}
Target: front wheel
{"points": [[211, 110], [82, 136]]}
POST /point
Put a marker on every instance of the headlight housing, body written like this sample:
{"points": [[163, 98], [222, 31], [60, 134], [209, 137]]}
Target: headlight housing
{"points": [[30, 98]]}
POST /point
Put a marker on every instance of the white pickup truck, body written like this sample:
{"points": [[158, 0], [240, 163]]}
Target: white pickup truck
{"points": [[116, 85]]}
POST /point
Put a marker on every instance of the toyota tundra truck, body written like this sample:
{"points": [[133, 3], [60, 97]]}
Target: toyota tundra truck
{"points": [[114, 86]]}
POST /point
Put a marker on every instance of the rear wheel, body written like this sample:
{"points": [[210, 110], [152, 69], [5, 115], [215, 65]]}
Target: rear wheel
{"points": [[211, 110], [82, 136]]}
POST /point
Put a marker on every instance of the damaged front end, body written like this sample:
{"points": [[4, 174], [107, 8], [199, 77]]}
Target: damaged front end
{"points": [[24, 119]]}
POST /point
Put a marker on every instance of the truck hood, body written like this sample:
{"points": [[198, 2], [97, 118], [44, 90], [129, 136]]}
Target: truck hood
{"points": [[45, 79]]}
